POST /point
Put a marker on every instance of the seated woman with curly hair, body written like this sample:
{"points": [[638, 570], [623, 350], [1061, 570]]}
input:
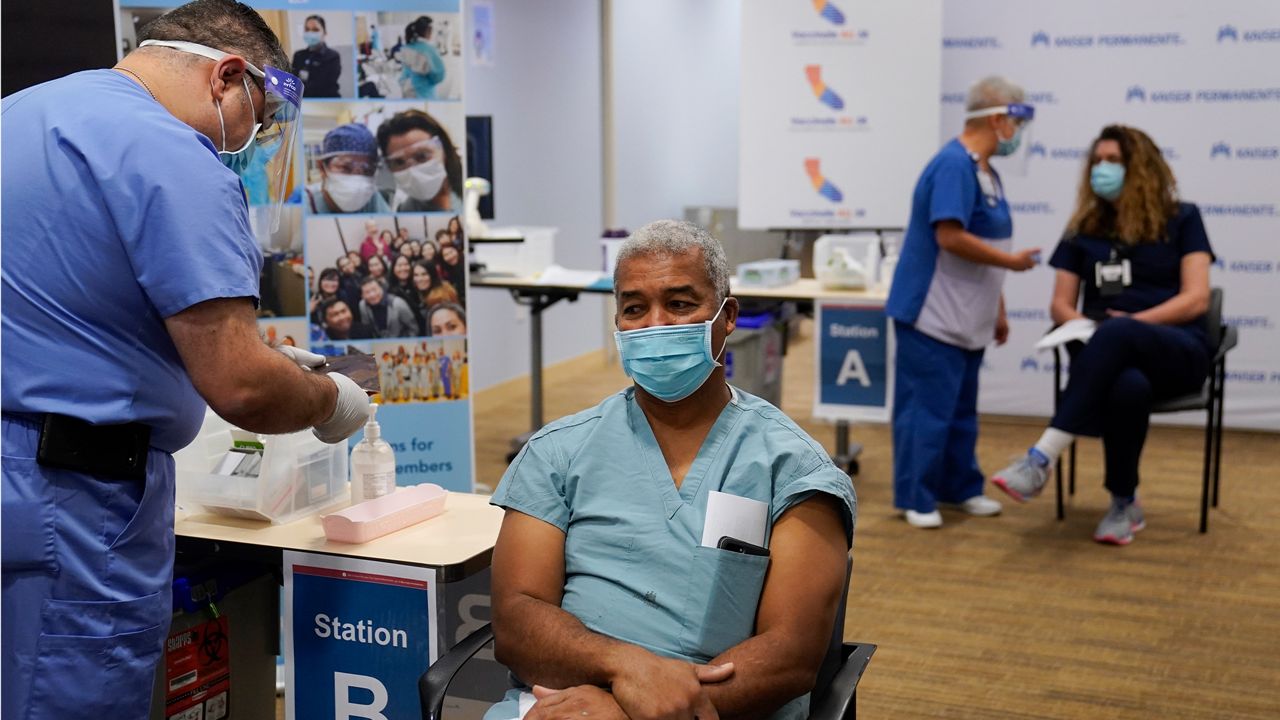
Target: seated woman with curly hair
{"points": [[1141, 259]]}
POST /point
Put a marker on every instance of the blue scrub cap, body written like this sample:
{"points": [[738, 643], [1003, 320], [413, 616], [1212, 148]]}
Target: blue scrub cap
{"points": [[350, 139]]}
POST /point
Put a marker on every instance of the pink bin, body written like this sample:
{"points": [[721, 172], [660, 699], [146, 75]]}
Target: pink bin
{"points": [[372, 519]]}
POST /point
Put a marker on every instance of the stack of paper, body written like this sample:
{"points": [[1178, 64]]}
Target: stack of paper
{"points": [[1079, 329]]}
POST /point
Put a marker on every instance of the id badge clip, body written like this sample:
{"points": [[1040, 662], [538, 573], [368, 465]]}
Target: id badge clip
{"points": [[1112, 276]]}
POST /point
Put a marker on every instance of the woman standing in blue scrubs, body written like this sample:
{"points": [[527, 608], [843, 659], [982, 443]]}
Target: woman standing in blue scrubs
{"points": [[947, 305]]}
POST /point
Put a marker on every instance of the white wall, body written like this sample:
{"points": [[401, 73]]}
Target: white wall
{"points": [[675, 106], [544, 95]]}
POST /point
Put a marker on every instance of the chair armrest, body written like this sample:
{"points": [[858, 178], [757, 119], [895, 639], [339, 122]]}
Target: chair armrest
{"points": [[434, 682], [1230, 337], [840, 698]]}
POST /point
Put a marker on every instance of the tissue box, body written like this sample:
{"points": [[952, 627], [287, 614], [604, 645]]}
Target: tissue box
{"points": [[768, 273]]}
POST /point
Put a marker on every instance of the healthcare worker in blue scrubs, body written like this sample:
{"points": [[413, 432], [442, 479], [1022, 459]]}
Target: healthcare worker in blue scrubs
{"points": [[130, 277], [614, 586], [947, 306]]}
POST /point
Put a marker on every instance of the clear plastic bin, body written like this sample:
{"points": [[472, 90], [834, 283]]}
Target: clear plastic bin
{"points": [[768, 273], [849, 262], [298, 474]]}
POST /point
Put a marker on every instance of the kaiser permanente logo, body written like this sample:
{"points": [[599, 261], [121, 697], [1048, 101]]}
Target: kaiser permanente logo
{"points": [[1042, 39], [1247, 267], [1223, 150], [1075, 154], [1035, 98], [826, 95], [1139, 93], [1229, 33], [1031, 208], [983, 42], [1239, 210], [1040, 150]]}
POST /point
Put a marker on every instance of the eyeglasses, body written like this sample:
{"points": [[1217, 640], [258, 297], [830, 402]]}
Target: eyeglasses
{"points": [[416, 154], [272, 103], [350, 165]]}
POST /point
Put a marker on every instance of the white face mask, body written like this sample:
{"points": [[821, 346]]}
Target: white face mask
{"points": [[422, 182], [349, 192]]}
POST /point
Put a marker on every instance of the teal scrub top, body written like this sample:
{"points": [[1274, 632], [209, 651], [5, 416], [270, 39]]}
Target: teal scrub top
{"points": [[635, 569]]}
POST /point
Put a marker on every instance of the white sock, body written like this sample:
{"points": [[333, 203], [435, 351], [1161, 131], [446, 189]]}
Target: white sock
{"points": [[1053, 442]]}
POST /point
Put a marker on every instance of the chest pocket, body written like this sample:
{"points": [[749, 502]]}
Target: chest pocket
{"points": [[724, 594]]}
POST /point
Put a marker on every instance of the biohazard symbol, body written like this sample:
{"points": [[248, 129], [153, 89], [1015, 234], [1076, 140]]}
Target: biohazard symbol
{"points": [[213, 644]]}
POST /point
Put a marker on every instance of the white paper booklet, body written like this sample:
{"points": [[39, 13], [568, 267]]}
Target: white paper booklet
{"points": [[737, 517], [1079, 329]]}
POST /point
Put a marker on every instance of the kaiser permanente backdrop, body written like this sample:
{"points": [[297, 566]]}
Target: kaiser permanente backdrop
{"points": [[426, 413], [1202, 78]]}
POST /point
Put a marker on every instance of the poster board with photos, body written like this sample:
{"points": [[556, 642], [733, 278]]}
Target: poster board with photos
{"points": [[370, 251]]}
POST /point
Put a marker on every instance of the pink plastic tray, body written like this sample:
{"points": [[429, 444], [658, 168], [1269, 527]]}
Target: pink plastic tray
{"points": [[372, 519]]}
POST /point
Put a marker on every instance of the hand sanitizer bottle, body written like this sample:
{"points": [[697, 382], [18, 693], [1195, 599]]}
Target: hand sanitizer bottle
{"points": [[373, 463]]}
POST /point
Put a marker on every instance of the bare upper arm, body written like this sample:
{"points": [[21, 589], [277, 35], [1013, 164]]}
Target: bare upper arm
{"points": [[1066, 290], [948, 233], [528, 560], [806, 577], [1195, 273], [219, 343]]}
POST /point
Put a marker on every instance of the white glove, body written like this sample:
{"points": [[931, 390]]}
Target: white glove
{"points": [[350, 413], [304, 359]]}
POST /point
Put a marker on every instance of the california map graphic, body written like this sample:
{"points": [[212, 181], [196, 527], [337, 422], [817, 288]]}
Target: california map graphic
{"points": [[822, 185], [824, 93], [829, 11]]}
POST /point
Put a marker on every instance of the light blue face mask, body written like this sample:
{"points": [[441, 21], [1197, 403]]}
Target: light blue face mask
{"points": [[1107, 179], [312, 38], [670, 361], [1004, 148], [239, 160]]}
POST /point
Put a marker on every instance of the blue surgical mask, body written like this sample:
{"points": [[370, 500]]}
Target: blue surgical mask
{"points": [[671, 361], [239, 160], [312, 38], [1010, 146], [1107, 179]]}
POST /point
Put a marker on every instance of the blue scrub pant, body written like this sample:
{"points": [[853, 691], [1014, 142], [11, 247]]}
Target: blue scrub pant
{"points": [[87, 585], [935, 421], [1115, 378]]}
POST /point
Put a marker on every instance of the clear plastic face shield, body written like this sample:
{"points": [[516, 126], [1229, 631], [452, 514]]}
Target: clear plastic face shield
{"points": [[1013, 150], [269, 153]]}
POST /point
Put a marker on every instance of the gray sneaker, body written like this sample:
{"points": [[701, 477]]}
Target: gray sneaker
{"points": [[1120, 523], [1022, 480]]}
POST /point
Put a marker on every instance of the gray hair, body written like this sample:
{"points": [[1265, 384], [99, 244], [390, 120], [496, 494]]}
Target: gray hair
{"points": [[673, 238], [993, 91]]}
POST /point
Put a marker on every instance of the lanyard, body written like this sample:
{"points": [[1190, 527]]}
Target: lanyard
{"points": [[990, 185]]}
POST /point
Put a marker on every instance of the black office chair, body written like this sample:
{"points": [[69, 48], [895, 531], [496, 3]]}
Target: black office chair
{"points": [[834, 695], [1209, 399]]}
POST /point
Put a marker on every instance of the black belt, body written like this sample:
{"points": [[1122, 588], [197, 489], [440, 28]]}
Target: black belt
{"points": [[117, 451]]}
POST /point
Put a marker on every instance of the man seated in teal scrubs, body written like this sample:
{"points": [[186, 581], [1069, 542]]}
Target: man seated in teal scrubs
{"points": [[607, 598]]}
